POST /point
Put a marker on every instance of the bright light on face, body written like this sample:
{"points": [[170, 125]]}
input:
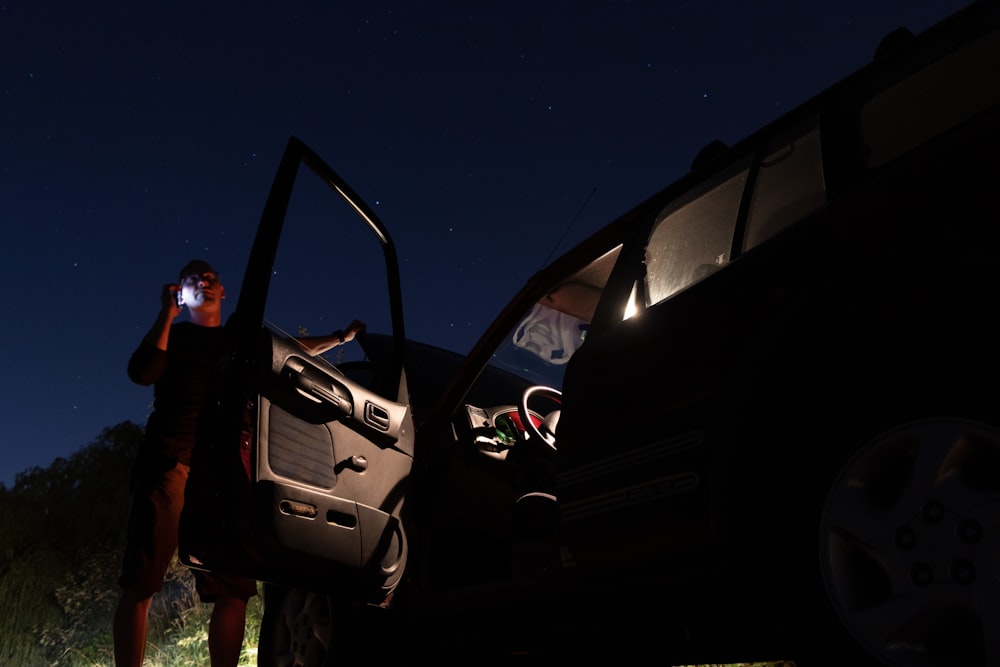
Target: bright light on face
{"points": [[193, 288]]}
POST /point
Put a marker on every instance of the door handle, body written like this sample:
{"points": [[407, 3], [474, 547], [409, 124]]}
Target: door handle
{"points": [[317, 387]]}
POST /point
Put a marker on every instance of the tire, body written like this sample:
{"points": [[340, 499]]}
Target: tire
{"points": [[297, 628], [909, 549]]}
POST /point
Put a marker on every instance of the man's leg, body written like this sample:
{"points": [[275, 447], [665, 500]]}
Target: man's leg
{"points": [[129, 628], [225, 631], [158, 496]]}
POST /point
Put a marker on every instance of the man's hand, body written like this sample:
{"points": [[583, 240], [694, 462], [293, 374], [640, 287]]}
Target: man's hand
{"points": [[169, 301], [353, 329]]}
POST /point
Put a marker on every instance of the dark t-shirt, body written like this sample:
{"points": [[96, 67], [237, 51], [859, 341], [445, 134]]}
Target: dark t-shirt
{"points": [[185, 379]]}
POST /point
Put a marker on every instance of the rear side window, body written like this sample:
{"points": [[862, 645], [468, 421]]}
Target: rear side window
{"points": [[790, 185], [693, 236], [932, 101], [693, 239]]}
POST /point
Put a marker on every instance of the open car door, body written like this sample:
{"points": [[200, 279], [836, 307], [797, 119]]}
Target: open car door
{"points": [[300, 477]]}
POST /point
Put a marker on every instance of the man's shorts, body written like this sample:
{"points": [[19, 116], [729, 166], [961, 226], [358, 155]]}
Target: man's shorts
{"points": [[157, 500]]}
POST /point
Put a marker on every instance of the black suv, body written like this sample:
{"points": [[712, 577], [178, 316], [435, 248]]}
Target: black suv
{"points": [[756, 417]]}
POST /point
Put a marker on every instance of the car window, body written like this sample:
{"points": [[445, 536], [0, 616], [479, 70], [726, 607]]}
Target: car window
{"points": [[789, 184], [328, 270], [932, 101], [692, 238], [545, 338], [541, 345]]}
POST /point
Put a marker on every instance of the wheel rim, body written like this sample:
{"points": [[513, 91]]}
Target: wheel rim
{"points": [[910, 545], [302, 630]]}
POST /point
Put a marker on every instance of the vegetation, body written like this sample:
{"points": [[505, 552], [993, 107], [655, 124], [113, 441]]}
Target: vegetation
{"points": [[62, 531]]}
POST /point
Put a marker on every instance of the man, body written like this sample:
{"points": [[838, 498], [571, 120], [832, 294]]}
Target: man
{"points": [[182, 361]]}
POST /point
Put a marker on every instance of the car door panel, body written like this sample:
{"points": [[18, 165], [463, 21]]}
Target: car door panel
{"points": [[300, 478], [330, 459]]}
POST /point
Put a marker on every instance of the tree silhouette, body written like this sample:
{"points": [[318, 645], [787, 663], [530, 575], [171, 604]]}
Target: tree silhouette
{"points": [[62, 529]]}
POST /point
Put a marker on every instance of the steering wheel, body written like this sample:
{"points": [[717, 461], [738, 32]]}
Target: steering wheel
{"points": [[546, 431]]}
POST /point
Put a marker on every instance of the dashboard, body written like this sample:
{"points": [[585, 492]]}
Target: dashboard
{"points": [[493, 431]]}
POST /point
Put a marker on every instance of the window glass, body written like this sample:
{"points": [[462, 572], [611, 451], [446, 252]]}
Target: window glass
{"points": [[541, 345], [789, 185], [932, 101], [555, 327], [329, 269], [692, 240]]}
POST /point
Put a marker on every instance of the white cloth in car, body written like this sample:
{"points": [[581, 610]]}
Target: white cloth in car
{"points": [[552, 335]]}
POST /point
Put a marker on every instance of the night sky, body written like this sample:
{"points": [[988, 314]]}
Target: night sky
{"points": [[488, 136]]}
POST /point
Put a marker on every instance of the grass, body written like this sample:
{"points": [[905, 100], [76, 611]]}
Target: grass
{"points": [[178, 630], [185, 643]]}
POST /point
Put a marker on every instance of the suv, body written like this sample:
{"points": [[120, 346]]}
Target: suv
{"points": [[756, 417]]}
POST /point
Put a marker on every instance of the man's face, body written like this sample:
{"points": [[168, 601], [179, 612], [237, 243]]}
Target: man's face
{"points": [[202, 291]]}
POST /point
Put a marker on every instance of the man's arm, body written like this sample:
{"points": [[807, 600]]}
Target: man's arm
{"points": [[319, 344], [159, 334], [149, 360]]}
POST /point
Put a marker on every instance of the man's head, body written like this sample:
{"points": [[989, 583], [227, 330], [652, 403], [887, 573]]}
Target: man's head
{"points": [[200, 289], [196, 267]]}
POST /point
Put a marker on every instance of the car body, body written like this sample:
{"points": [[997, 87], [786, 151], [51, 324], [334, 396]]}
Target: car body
{"points": [[754, 418]]}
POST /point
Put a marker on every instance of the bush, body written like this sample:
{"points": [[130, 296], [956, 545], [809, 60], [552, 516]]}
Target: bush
{"points": [[63, 530]]}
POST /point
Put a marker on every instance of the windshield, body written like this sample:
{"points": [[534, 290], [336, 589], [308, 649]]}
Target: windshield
{"points": [[545, 338], [541, 345]]}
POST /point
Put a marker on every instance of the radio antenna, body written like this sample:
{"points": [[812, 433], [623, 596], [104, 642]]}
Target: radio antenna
{"points": [[568, 227]]}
